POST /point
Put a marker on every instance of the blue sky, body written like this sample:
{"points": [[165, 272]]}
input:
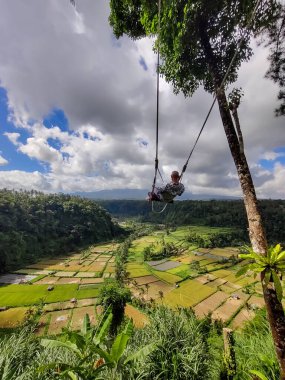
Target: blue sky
{"points": [[78, 110], [16, 160]]}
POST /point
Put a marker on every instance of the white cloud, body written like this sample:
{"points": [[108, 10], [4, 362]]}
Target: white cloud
{"points": [[272, 156], [16, 179], [3, 161], [13, 137], [275, 187], [68, 59]]}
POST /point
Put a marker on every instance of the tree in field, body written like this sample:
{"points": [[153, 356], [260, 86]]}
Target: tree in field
{"points": [[197, 41]]}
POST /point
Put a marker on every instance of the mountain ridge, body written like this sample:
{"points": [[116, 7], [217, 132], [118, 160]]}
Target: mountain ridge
{"points": [[141, 194]]}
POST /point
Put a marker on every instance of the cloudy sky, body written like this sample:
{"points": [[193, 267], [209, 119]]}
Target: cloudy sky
{"points": [[78, 110]]}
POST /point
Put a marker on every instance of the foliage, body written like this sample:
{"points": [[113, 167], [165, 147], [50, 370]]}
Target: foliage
{"points": [[276, 72], [164, 250], [34, 225], [175, 345], [16, 354], [182, 351], [271, 266], [215, 213], [92, 354], [255, 350], [183, 27], [121, 260], [114, 295], [214, 240]]}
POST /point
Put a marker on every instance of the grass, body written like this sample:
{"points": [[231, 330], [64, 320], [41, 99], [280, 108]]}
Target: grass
{"points": [[259, 353]]}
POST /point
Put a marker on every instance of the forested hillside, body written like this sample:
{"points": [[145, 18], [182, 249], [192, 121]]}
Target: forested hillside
{"points": [[33, 225], [215, 213]]}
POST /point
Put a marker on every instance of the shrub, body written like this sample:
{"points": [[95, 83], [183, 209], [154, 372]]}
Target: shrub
{"points": [[114, 295], [182, 351]]}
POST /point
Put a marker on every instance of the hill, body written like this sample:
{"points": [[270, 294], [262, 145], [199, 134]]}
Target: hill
{"points": [[141, 194]]}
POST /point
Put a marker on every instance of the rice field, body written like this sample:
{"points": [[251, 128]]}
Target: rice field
{"points": [[200, 278], [204, 279], [12, 318]]}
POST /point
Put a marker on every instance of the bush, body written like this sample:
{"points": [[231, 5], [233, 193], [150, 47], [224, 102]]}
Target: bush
{"points": [[114, 295], [255, 350], [182, 351]]}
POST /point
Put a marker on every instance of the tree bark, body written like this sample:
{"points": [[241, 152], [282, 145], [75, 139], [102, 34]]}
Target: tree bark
{"points": [[238, 129], [257, 235]]}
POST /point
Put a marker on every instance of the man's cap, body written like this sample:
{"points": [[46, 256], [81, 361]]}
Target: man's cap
{"points": [[175, 173]]}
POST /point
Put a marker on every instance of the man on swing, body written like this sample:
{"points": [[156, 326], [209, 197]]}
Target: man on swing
{"points": [[169, 191]]}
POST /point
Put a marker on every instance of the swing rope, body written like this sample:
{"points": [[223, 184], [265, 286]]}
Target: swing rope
{"points": [[156, 168], [211, 107], [221, 85]]}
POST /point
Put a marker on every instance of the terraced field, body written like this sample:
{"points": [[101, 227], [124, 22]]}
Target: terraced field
{"points": [[203, 279], [62, 285]]}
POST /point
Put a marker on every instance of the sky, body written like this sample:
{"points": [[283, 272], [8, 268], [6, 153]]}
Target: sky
{"points": [[78, 110]]}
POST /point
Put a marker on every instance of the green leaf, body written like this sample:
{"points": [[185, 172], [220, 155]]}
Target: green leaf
{"points": [[242, 271], [120, 343], [281, 256], [72, 375], [76, 338], [86, 324], [277, 285], [245, 256], [103, 328], [274, 253], [142, 353], [256, 267], [258, 374], [50, 343], [259, 258], [104, 354], [268, 361], [129, 328]]}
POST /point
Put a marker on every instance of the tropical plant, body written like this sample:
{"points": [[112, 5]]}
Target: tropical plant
{"points": [[270, 267], [84, 346], [182, 349], [92, 356]]}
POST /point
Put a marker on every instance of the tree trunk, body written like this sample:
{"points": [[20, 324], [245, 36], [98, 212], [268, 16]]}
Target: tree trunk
{"points": [[238, 129], [257, 235]]}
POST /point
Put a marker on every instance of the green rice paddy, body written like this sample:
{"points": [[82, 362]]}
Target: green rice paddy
{"points": [[97, 263]]}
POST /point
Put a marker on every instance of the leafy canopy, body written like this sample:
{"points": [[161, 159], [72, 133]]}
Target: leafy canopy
{"points": [[188, 28]]}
